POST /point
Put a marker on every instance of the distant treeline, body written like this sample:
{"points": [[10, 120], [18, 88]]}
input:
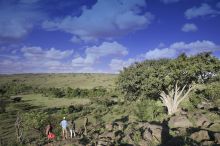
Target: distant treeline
{"points": [[13, 88]]}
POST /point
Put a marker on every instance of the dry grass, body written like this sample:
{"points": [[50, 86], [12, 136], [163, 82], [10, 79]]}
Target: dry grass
{"points": [[85, 80]]}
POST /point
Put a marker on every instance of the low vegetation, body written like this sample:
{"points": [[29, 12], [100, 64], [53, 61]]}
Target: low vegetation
{"points": [[159, 102]]}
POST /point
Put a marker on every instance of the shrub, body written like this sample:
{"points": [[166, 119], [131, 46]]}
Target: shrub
{"points": [[149, 110]]}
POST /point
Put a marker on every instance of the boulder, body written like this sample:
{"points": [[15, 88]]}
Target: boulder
{"points": [[147, 135], [156, 131], [118, 126], [215, 127], [143, 143], [179, 121], [109, 135], [128, 139], [201, 120], [207, 143], [205, 105], [103, 143], [109, 127], [200, 135], [143, 125], [217, 138]]}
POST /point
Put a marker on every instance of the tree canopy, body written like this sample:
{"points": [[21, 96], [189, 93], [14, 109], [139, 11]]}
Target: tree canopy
{"points": [[149, 78]]}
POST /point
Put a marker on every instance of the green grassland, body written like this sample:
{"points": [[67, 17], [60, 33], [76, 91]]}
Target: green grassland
{"points": [[85, 81], [48, 102], [99, 110]]}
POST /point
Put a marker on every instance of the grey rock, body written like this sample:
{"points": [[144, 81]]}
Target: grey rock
{"points": [[217, 138], [179, 121], [201, 120], [200, 135], [147, 135]]}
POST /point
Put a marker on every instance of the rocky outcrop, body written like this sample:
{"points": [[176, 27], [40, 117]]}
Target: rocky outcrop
{"points": [[205, 105], [217, 138], [180, 121], [201, 120], [200, 136]]}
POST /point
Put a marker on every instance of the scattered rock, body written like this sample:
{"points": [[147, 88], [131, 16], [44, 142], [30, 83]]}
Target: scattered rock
{"points": [[147, 135], [217, 138], [201, 120], [109, 127], [200, 135], [104, 143], [179, 121], [156, 131], [143, 143], [205, 105], [207, 143], [109, 135], [215, 127], [143, 125], [118, 126]]}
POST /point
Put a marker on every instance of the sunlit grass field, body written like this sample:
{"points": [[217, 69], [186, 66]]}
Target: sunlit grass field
{"points": [[49, 102], [85, 80]]}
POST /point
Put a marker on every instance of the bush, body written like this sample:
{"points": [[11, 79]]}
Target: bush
{"points": [[149, 110], [212, 91]]}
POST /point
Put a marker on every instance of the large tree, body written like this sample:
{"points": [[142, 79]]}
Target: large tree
{"points": [[171, 80]]}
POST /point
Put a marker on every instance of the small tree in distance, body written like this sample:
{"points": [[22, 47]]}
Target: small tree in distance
{"points": [[171, 80]]}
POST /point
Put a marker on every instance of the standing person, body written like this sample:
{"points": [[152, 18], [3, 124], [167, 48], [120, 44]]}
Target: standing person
{"points": [[64, 125], [49, 133], [71, 126]]}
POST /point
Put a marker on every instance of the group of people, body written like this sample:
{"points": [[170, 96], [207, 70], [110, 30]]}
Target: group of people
{"points": [[66, 126]]}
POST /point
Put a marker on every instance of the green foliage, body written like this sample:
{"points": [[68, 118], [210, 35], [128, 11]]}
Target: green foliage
{"points": [[149, 78], [13, 88], [212, 91], [150, 110], [71, 93], [53, 92], [189, 105], [35, 121]]}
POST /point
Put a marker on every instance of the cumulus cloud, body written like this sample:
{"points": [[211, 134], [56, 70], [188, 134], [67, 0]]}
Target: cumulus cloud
{"points": [[189, 27], [17, 19], [117, 64], [94, 53], [35, 59], [169, 1], [203, 10], [172, 51], [160, 53], [106, 19], [36, 53], [176, 48]]}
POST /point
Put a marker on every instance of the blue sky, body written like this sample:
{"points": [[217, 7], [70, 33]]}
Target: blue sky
{"points": [[102, 36]]}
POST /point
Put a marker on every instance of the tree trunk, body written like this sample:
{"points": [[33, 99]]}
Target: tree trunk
{"points": [[174, 98]]}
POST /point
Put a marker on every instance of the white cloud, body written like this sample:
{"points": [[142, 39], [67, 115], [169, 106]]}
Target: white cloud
{"points": [[172, 51], [203, 10], [17, 19], [35, 59], [176, 48], [160, 53], [118, 64], [169, 1], [106, 19], [196, 47], [93, 54], [189, 27], [37, 53]]}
